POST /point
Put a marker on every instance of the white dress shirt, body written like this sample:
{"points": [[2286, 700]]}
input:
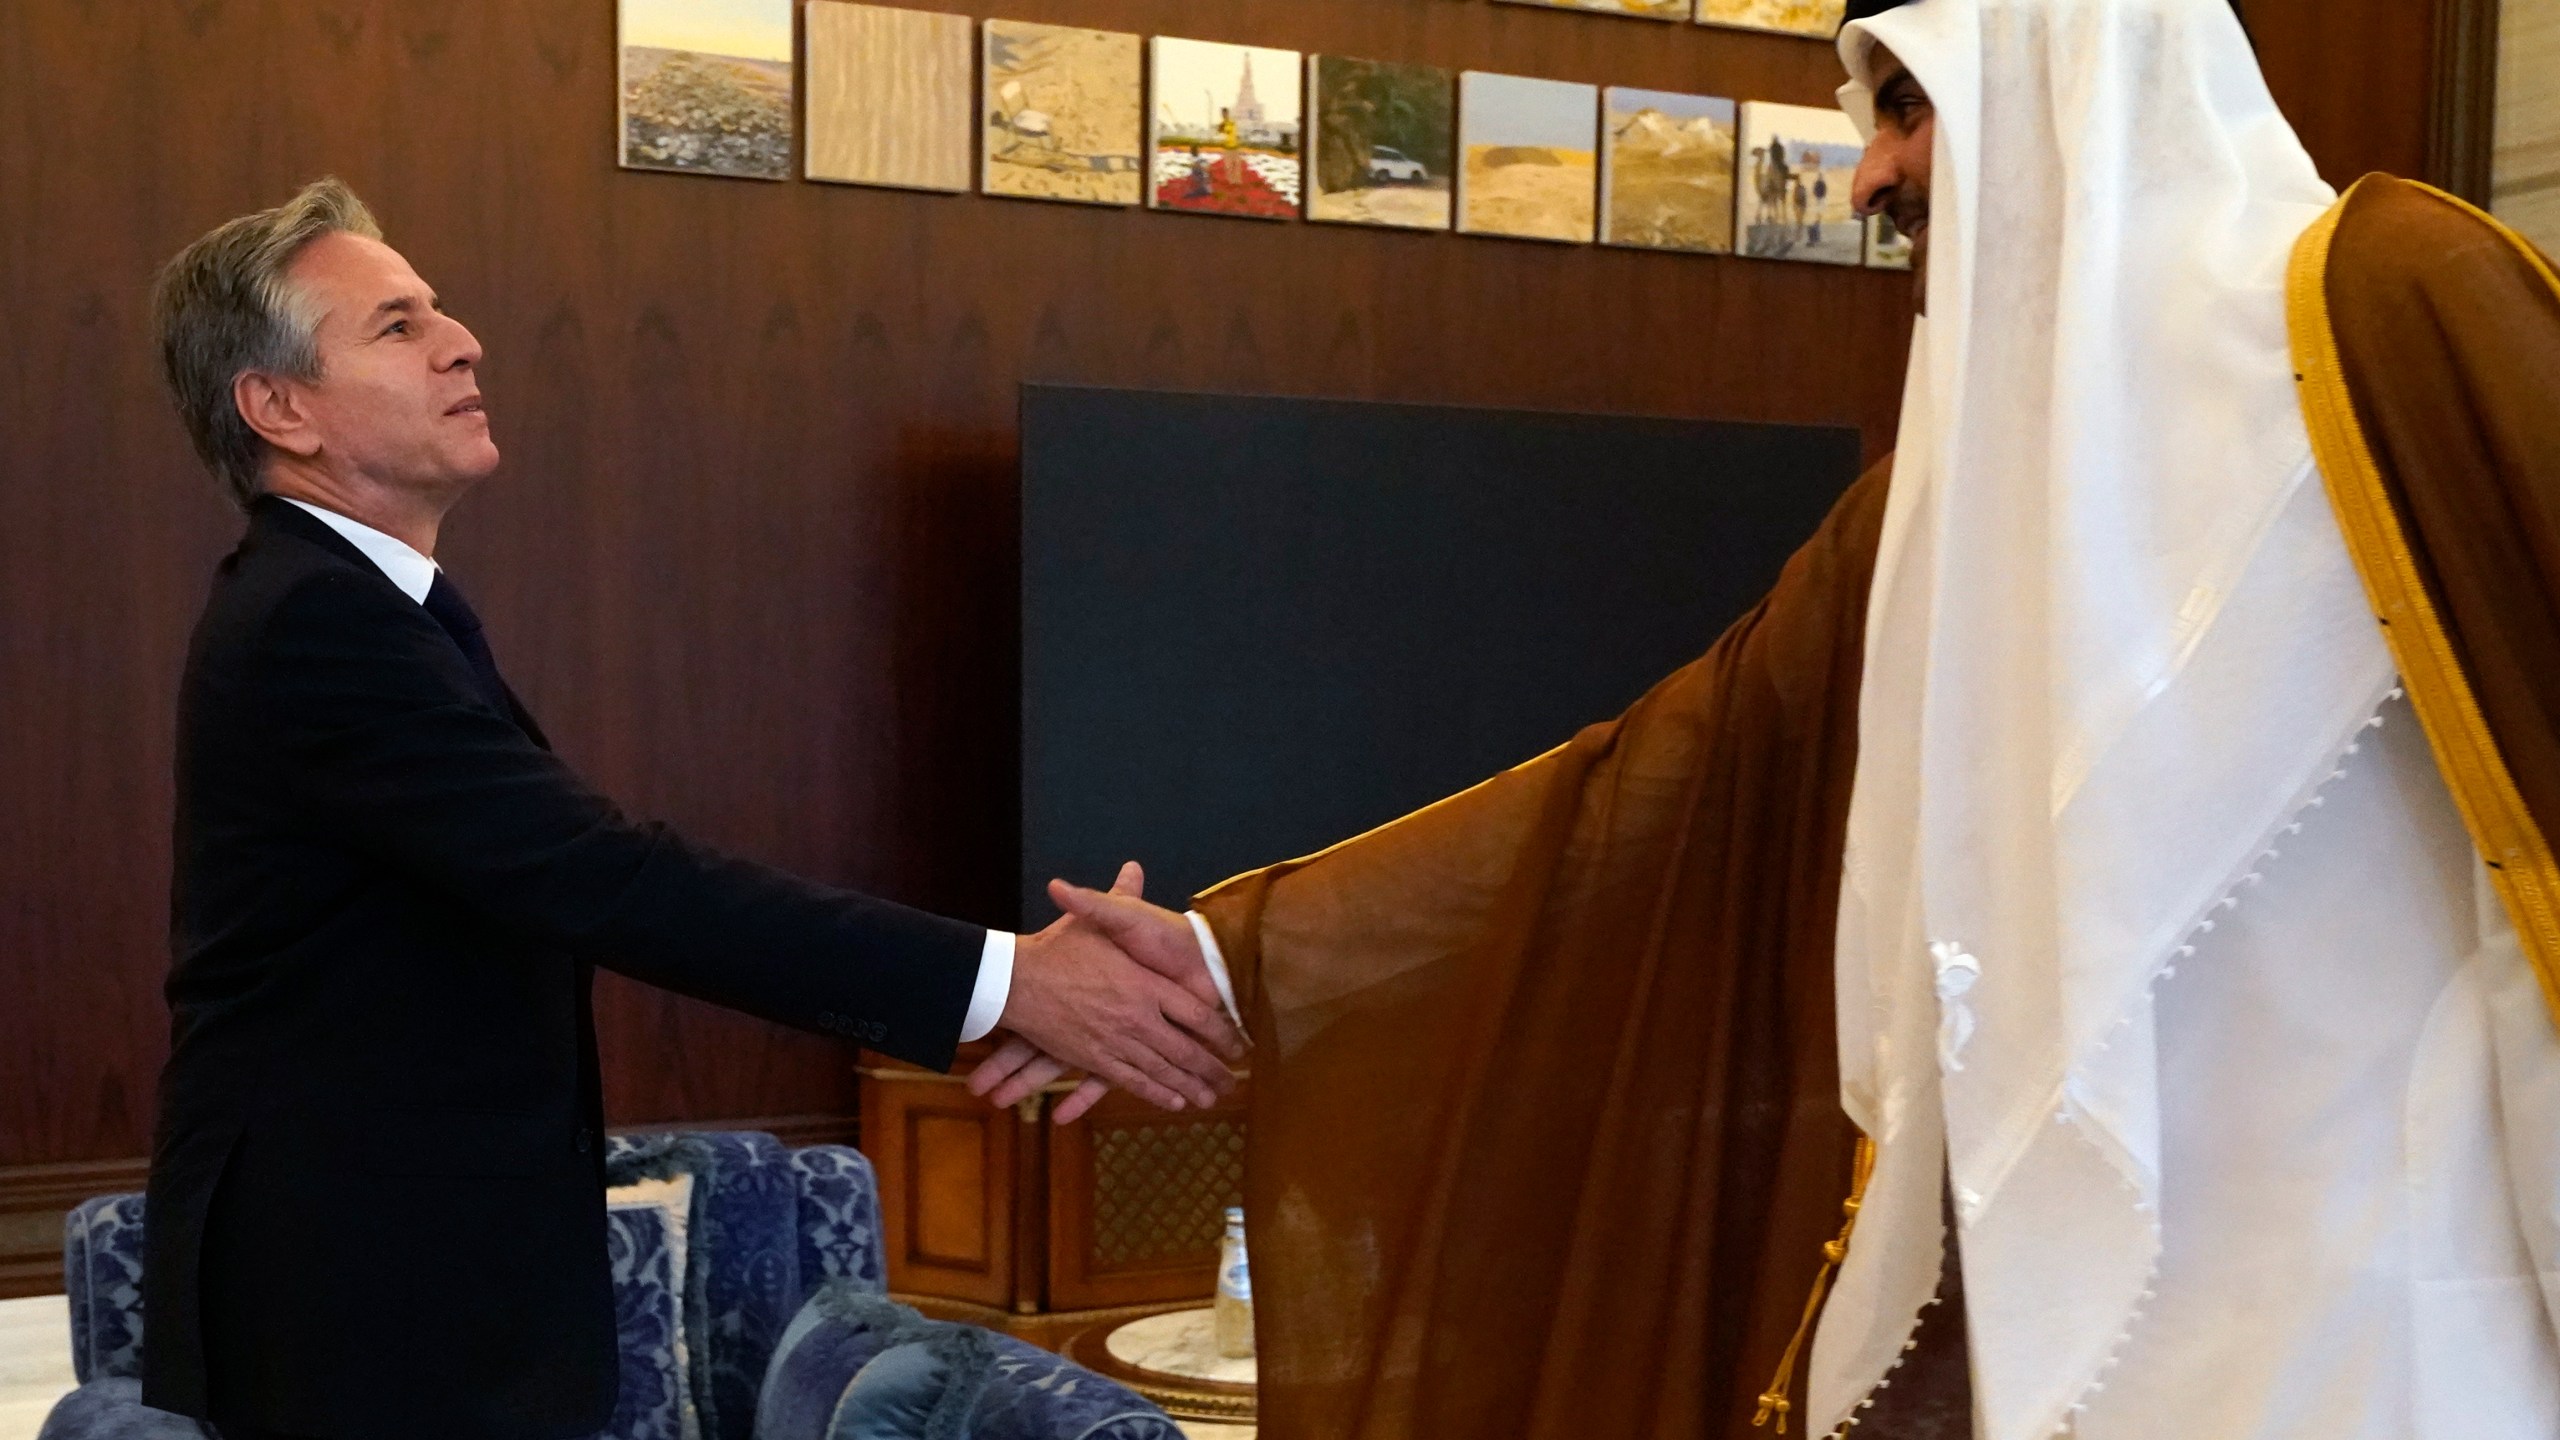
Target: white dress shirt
{"points": [[414, 574]]}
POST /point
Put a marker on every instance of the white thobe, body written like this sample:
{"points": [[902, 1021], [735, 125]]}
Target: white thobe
{"points": [[2360, 1094]]}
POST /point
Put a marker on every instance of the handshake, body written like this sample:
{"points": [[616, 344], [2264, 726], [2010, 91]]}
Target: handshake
{"points": [[1119, 990]]}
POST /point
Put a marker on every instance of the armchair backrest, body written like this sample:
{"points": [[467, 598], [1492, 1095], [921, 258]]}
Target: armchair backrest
{"points": [[768, 1227], [102, 1278]]}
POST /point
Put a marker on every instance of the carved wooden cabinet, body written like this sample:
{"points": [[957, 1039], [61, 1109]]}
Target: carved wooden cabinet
{"points": [[1002, 1210]]}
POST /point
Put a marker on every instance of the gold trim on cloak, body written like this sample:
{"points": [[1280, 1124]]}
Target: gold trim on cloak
{"points": [[2519, 856]]}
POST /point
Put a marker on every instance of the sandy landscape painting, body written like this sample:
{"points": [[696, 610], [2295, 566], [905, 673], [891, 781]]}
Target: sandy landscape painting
{"points": [[1819, 18], [1642, 9], [706, 86], [1063, 113], [1225, 134], [1529, 157], [1666, 171], [1792, 192], [1382, 143], [889, 96]]}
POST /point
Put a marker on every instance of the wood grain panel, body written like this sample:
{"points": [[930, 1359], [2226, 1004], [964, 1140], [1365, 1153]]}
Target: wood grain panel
{"points": [[2356, 77], [751, 553], [949, 1188], [947, 1156]]}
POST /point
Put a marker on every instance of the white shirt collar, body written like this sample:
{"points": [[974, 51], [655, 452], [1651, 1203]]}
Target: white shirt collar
{"points": [[401, 565]]}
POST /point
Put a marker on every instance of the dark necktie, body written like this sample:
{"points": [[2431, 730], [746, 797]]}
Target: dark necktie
{"points": [[444, 601]]}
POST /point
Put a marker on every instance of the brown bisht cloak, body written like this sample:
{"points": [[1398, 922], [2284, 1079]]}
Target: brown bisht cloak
{"points": [[1545, 1133]]}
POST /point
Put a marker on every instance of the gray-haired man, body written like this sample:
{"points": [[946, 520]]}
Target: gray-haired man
{"points": [[390, 897]]}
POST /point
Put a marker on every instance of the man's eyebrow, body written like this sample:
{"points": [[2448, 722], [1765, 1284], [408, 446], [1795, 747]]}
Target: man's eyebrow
{"points": [[403, 305]]}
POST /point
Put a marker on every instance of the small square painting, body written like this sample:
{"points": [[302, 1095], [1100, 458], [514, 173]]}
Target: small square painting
{"points": [[1666, 171], [1224, 138], [1063, 113], [1529, 157], [1792, 198], [1382, 143], [889, 96], [706, 86], [1817, 18]]}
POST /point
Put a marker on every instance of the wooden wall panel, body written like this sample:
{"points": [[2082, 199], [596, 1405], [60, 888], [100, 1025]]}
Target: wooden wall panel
{"points": [[750, 556], [954, 1177], [751, 553], [2356, 77]]}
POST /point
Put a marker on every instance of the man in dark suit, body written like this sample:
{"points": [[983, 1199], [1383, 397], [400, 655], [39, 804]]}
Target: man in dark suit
{"points": [[376, 1200]]}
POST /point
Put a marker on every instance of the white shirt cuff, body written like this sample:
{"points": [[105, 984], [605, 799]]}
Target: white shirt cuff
{"points": [[1217, 961], [995, 986]]}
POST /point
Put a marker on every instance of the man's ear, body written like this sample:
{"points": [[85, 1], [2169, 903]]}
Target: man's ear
{"points": [[274, 409]]}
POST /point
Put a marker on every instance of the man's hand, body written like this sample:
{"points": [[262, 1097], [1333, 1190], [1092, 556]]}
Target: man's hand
{"points": [[1149, 934], [1078, 1001]]}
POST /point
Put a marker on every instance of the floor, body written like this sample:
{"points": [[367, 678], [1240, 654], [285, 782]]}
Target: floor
{"points": [[35, 1362], [35, 1370]]}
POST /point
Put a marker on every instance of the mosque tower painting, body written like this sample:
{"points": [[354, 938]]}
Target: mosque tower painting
{"points": [[1249, 117], [1224, 137]]}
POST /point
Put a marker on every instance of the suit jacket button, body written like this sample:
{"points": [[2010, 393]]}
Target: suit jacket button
{"points": [[586, 1142]]}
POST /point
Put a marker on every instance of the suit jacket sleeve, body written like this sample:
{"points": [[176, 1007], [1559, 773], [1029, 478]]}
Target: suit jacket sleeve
{"points": [[381, 739]]}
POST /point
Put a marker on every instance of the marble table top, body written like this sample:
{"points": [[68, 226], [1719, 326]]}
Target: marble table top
{"points": [[1183, 1343]]}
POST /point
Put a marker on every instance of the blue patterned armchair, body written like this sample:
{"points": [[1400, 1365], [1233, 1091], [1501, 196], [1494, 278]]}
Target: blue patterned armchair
{"points": [[710, 1268]]}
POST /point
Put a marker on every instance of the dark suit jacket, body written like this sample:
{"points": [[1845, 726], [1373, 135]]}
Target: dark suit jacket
{"points": [[376, 1203]]}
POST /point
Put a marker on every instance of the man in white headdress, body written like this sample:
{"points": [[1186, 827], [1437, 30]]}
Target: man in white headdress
{"points": [[2244, 1092], [2191, 934]]}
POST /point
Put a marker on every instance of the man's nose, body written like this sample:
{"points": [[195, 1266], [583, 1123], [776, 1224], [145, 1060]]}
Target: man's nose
{"points": [[1878, 177], [462, 348]]}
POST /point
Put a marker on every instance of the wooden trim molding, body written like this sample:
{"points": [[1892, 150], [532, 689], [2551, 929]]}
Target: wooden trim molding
{"points": [[2462, 125], [35, 1198]]}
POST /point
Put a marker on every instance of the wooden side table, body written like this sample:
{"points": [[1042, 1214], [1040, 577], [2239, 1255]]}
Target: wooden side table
{"points": [[1041, 1230]]}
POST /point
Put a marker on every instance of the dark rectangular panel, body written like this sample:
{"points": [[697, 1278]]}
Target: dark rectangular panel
{"points": [[1254, 626]]}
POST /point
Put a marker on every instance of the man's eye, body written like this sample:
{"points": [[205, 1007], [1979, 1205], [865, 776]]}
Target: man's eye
{"points": [[396, 327]]}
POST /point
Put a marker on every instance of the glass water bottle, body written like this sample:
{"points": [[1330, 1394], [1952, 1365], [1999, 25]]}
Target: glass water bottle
{"points": [[1234, 1313]]}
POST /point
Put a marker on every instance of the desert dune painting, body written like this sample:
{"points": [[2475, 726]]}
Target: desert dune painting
{"points": [[1641, 9], [1528, 157], [1064, 114], [706, 87], [1818, 18], [1382, 143], [1224, 138], [889, 96], [1792, 192], [1666, 171]]}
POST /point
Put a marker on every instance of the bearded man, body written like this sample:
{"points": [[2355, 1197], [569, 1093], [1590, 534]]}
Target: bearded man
{"points": [[2185, 938]]}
